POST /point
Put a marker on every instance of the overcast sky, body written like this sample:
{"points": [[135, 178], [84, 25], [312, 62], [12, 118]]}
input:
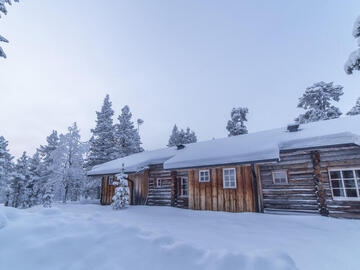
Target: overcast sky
{"points": [[183, 62]]}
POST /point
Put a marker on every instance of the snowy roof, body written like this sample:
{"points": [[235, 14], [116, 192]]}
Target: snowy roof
{"points": [[253, 147], [135, 162]]}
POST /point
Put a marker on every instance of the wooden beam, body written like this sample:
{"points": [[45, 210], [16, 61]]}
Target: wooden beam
{"points": [[319, 184]]}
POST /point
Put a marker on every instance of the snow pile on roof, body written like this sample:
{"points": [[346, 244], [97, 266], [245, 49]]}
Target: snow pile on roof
{"points": [[135, 162], [253, 147], [266, 145]]}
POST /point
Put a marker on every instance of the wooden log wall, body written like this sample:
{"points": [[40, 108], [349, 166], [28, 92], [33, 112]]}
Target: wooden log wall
{"points": [[159, 195], [212, 196], [140, 189], [299, 195]]}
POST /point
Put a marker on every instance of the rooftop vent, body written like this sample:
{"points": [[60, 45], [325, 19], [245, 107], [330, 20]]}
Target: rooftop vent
{"points": [[293, 127], [180, 146]]}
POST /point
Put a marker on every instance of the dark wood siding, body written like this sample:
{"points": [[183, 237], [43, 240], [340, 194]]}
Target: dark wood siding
{"points": [[300, 193], [159, 194], [212, 196]]}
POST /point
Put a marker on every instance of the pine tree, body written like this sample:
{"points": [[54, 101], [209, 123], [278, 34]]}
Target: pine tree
{"points": [[18, 183], [34, 185], [236, 126], [317, 101], [121, 197], [353, 62], [69, 165], [47, 168], [179, 137], [356, 109], [3, 10], [102, 143], [6, 170], [127, 136]]}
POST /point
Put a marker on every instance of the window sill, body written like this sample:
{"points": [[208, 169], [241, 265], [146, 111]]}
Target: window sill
{"points": [[346, 199], [229, 187]]}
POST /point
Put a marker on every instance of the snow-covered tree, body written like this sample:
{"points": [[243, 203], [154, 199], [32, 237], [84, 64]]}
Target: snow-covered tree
{"points": [[353, 62], [236, 126], [69, 172], [356, 109], [127, 136], [6, 170], [121, 197], [102, 143], [19, 182], [179, 137], [3, 10], [48, 173], [34, 185], [317, 102]]}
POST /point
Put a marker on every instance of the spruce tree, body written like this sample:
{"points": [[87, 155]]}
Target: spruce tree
{"points": [[18, 183], [34, 186], [121, 196], [3, 10], [236, 126], [353, 62], [127, 136], [317, 102], [179, 137], [6, 170], [48, 173], [102, 144], [356, 109]]}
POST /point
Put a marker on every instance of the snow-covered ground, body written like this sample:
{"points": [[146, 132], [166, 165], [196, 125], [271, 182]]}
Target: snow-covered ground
{"points": [[90, 236]]}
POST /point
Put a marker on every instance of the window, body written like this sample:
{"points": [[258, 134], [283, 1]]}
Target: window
{"points": [[204, 176], [184, 186], [158, 182], [110, 180], [280, 177], [345, 183], [229, 178]]}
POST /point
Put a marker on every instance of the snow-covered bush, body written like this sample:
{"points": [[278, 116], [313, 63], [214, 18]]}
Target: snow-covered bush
{"points": [[121, 197]]}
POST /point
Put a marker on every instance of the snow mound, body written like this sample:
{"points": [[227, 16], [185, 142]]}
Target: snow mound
{"points": [[50, 211], [3, 220]]}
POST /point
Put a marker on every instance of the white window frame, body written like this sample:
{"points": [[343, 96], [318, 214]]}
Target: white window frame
{"points": [[280, 183], [208, 176], [111, 180], [356, 179], [233, 170], [181, 186]]}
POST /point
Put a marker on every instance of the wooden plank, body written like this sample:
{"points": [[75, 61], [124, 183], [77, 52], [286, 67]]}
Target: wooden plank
{"points": [[197, 190], [226, 200], [202, 196], [220, 190], [208, 197], [239, 190], [214, 189], [233, 200], [248, 189]]}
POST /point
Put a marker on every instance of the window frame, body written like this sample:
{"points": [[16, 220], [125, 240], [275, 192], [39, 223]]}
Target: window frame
{"points": [[204, 171], [181, 186], [235, 180], [158, 182], [280, 171], [110, 180], [343, 188]]}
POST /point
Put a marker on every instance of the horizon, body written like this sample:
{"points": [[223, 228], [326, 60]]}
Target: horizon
{"points": [[184, 64]]}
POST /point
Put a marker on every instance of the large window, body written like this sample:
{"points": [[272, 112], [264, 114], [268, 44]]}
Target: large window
{"points": [[345, 183], [280, 177], [204, 176], [229, 178], [184, 186]]}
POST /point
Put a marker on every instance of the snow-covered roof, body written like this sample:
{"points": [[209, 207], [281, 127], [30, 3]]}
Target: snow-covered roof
{"points": [[135, 162], [253, 147]]}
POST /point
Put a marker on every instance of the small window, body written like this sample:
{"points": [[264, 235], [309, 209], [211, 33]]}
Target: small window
{"points": [[345, 184], [204, 176], [158, 182], [184, 186], [280, 177], [110, 180], [229, 178]]}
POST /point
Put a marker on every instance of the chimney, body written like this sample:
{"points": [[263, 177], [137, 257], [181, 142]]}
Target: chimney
{"points": [[180, 146], [293, 127]]}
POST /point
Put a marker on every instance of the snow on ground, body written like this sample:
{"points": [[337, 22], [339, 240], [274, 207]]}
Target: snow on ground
{"points": [[90, 236]]}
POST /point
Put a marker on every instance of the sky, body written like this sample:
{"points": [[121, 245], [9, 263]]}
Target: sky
{"points": [[173, 61]]}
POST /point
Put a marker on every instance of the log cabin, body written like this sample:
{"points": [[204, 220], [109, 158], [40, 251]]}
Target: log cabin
{"points": [[308, 168]]}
